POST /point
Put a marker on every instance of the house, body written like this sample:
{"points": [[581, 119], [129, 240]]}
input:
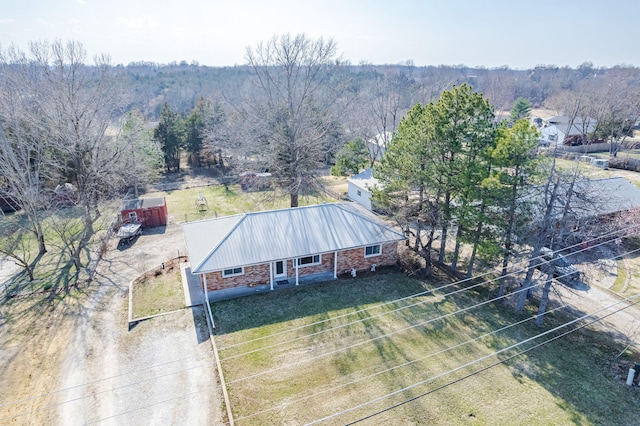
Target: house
{"points": [[360, 188], [378, 145], [279, 247], [590, 199], [147, 211], [561, 130]]}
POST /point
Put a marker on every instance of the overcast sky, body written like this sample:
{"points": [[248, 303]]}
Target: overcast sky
{"points": [[489, 33]]}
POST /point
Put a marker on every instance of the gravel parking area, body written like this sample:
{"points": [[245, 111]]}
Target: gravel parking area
{"points": [[80, 364]]}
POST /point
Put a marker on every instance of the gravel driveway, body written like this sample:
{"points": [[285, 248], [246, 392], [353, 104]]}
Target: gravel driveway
{"points": [[73, 361], [160, 372]]}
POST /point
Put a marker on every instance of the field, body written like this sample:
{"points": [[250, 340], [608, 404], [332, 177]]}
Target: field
{"points": [[326, 351]]}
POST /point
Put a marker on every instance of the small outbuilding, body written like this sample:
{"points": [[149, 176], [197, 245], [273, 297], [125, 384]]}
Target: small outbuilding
{"points": [[148, 212], [361, 188]]}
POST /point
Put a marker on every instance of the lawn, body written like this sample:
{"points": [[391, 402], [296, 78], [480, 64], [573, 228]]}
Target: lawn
{"points": [[222, 201], [299, 355], [157, 294]]}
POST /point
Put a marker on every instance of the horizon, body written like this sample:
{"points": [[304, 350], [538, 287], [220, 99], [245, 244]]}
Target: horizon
{"points": [[216, 34]]}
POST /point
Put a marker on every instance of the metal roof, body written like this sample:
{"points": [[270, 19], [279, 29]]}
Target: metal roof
{"points": [[261, 237], [142, 203], [364, 180], [592, 197]]}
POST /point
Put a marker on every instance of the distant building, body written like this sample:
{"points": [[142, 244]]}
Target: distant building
{"points": [[378, 145], [561, 130]]}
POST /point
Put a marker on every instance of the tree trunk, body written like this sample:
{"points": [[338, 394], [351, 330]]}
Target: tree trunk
{"points": [[445, 223], [456, 249], [545, 299]]}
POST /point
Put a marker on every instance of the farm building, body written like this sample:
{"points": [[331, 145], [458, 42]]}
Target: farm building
{"points": [[147, 211], [287, 246]]}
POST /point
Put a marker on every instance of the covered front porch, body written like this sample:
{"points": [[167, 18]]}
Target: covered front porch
{"points": [[281, 284]]}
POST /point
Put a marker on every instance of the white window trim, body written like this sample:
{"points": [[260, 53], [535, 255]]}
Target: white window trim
{"points": [[233, 275], [319, 262], [374, 254]]}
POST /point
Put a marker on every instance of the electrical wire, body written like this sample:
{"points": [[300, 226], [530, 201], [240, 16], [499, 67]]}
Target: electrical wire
{"points": [[431, 291], [377, 338], [490, 366]]}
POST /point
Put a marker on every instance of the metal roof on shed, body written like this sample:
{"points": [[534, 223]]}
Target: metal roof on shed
{"points": [[261, 237], [143, 203]]}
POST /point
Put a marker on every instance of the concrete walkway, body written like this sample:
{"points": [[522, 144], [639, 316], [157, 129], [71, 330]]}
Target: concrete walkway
{"points": [[191, 285]]}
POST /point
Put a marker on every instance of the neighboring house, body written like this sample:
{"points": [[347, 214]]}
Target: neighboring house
{"points": [[147, 211], [288, 246], [561, 130], [360, 187], [378, 145], [590, 198]]}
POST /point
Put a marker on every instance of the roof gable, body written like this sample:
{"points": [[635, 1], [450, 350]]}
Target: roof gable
{"points": [[261, 237]]}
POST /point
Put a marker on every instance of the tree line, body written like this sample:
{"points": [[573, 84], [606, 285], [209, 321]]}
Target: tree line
{"points": [[104, 129]]}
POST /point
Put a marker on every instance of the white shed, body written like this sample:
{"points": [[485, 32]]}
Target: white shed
{"points": [[360, 187]]}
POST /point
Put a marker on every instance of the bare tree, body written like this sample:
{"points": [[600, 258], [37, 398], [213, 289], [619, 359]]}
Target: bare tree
{"points": [[24, 146], [293, 107], [76, 104]]}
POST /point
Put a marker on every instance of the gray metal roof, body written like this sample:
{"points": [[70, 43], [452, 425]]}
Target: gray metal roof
{"points": [[260, 237], [364, 180], [592, 197], [142, 203]]}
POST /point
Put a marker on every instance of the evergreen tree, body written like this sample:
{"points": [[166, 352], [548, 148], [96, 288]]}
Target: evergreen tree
{"points": [[521, 109], [351, 159], [169, 134]]}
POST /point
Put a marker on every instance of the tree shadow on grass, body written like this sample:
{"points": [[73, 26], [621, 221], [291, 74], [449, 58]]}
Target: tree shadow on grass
{"points": [[583, 369], [312, 300]]}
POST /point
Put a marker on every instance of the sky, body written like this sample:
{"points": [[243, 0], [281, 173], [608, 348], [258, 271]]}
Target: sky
{"points": [[476, 33]]}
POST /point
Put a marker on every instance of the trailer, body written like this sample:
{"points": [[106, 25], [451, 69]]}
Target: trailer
{"points": [[128, 232]]}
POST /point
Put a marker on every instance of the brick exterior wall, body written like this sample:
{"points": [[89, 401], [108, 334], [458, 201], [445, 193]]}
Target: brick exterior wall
{"points": [[347, 259], [354, 259]]}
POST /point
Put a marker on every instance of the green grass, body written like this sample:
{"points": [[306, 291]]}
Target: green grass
{"points": [[566, 382], [158, 294], [181, 204]]}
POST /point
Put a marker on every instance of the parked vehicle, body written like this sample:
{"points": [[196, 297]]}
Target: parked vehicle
{"points": [[563, 271], [128, 232]]}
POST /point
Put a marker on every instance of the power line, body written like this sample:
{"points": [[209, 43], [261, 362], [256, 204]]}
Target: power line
{"points": [[42, 395], [490, 366], [385, 335], [267, 371], [377, 373], [379, 306], [483, 358]]}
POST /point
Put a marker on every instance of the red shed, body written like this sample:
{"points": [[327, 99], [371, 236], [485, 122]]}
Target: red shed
{"points": [[147, 211]]}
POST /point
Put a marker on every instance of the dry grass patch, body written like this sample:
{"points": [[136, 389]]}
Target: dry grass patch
{"points": [[158, 294]]}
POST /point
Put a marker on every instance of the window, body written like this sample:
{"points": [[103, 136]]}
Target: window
{"points": [[359, 193], [372, 251], [309, 260], [232, 272], [133, 217], [553, 138]]}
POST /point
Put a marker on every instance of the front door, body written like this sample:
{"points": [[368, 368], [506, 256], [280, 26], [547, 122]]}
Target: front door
{"points": [[280, 270]]}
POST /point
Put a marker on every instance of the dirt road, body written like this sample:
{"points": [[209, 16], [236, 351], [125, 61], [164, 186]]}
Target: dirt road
{"points": [[74, 361]]}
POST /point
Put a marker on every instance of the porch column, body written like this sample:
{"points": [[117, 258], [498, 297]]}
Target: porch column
{"points": [[271, 275], [335, 264], [295, 262], [204, 286]]}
